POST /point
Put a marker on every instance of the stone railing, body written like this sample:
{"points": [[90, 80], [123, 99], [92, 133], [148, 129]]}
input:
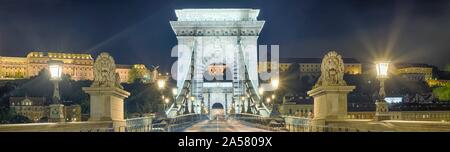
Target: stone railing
{"points": [[100, 126], [303, 124], [180, 123], [261, 122], [406, 115]]}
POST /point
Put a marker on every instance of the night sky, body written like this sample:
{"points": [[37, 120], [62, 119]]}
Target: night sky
{"points": [[138, 31]]}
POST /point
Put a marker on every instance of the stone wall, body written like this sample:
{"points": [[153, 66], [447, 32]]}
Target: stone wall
{"points": [[57, 127], [406, 115]]}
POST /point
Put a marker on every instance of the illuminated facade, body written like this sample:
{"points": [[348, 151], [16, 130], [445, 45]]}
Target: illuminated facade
{"points": [[311, 66], [77, 66], [36, 109], [222, 42], [414, 72]]}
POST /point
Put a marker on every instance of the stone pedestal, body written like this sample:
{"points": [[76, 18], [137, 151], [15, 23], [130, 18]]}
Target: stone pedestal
{"points": [[330, 102], [381, 112], [107, 104], [56, 113]]}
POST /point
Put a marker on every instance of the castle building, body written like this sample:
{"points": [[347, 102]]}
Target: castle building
{"points": [[311, 66], [77, 66], [414, 71]]}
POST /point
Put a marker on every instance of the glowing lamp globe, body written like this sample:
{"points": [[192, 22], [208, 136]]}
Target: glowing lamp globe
{"points": [[174, 91], [275, 83], [161, 84], [55, 68], [382, 69], [166, 100], [261, 91]]}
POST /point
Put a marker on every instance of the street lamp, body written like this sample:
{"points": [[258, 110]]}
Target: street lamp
{"points": [[56, 108], [161, 84], [174, 91], [275, 83], [55, 68], [192, 103], [382, 75], [273, 97], [261, 91], [382, 69], [174, 95], [268, 101], [166, 103]]}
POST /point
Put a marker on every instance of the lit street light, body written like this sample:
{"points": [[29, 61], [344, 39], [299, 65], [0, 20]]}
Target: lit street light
{"points": [[382, 69], [56, 108], [275, 83], [161, 84], [55, 68], [166, 103], [174, 91], [174, 95]]}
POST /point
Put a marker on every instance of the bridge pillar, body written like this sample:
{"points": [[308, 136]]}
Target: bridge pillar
{"points": [[330, 102], [330, 91], [107, 104], [106, 93]]}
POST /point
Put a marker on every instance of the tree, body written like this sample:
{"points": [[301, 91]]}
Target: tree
{"points": [[145, 98], [133, 74], [443, 93]]}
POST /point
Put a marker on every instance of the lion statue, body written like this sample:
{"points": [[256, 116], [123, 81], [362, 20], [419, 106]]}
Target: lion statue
{"points": [[105, 72], [332, 71]]}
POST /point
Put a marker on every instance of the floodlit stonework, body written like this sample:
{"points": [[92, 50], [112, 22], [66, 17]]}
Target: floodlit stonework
{"points": [[77, 66], [37, 109], [223, 41], [106, 93], [330, 91]]}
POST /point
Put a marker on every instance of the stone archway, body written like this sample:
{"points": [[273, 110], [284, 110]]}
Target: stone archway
{"points": [[217, 111]]}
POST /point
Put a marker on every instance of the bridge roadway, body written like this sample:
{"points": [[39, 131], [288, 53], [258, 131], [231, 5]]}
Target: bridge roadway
{"points": [[221, 125]]}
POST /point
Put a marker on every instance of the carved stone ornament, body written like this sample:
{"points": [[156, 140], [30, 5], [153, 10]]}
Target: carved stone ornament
{"points": [[105, 72], [332, 71]]}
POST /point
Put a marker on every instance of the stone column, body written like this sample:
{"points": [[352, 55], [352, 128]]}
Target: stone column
{"points": [[56, 113], [107, 104], [330, 102]]}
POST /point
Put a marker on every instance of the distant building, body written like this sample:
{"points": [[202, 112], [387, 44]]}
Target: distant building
{"points": [[77, 66], [36, 109], [311, 66], [297, 106], [414, 71]]}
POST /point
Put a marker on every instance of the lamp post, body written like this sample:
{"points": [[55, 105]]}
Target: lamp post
{"points": [[166, 103], [192, 98], [275, 83], [381, 104], [242, 110], [55, 68], [56, 108], [261, 93], [174, 94], [161, 85]]}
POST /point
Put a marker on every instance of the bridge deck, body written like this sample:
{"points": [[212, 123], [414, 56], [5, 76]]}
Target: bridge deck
{"points": [[222, 126]]}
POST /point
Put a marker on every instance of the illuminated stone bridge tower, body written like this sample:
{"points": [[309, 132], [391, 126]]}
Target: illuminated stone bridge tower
{"points": [[217, 60]]}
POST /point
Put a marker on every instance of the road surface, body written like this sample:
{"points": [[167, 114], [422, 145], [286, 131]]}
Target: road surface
{"points": [[222, 126]]}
